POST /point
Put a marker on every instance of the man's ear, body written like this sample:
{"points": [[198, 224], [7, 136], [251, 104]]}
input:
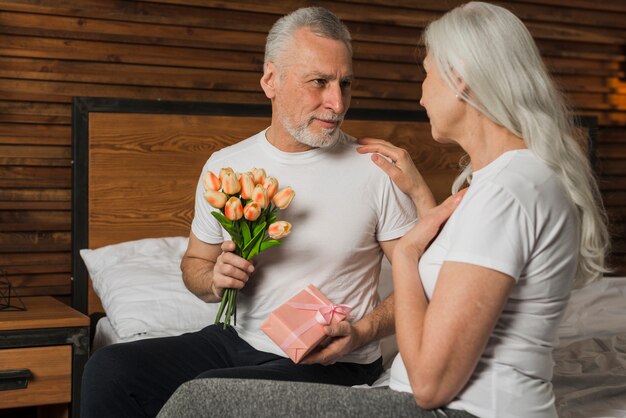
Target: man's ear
{"points": [[268, 80]]}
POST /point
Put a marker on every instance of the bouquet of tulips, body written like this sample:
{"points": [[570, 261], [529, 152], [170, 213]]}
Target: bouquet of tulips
{"points": [[247, 204]]}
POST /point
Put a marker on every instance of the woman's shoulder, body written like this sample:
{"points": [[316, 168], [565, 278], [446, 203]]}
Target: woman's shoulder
{"points": [[522, 173], [529, 181]]}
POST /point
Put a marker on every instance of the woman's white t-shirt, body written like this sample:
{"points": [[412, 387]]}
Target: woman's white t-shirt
{"points": [[516, 218]]}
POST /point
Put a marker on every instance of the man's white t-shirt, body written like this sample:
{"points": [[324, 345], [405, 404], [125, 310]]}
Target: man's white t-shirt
{"points": [[343, 206], [516, 218]]}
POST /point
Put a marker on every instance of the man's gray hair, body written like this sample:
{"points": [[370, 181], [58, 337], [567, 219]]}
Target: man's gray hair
{"points": [[319, 20]]}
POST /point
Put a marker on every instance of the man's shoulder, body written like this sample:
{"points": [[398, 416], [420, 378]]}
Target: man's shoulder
{"points": [[347, 149], [237, 149]]}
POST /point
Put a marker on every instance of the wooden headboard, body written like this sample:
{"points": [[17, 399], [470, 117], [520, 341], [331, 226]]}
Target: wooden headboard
{"points": [[137, 163]]}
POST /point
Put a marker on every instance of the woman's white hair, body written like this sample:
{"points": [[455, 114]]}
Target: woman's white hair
{"points": [[319, 20], [491, 50]]}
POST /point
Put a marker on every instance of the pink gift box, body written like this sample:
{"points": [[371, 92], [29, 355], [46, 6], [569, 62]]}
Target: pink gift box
{"points": [[297, 326]]}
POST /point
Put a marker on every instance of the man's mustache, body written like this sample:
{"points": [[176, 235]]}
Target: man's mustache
{"points": [[334, 117]]}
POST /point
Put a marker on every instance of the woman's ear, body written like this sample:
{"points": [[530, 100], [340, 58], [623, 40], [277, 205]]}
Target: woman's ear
{"points": [[462, 91], [461, 85], [268, 80]]}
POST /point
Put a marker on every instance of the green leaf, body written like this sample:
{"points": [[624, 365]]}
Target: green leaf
{"points": [[255, 249], [229, 226], [269, 244], [260, 227], [236, 238], [223, 220], [271, 216], [250, 245], [245, 231]]}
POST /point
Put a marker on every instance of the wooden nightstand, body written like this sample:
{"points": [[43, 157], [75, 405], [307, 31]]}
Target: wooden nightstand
{"points": [[49, 341]]}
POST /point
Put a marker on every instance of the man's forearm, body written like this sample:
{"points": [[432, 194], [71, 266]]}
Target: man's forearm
{"points": [[198, 277], [377, 324]]}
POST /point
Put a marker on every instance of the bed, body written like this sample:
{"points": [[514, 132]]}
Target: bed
{"points": [[136, 165]]}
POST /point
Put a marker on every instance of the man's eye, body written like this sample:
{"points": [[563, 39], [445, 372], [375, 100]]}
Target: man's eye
{"points": [[346, 84], [320, 82]]}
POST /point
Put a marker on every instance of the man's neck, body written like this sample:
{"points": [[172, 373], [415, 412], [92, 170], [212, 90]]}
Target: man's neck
{"points": [[282, 140]]}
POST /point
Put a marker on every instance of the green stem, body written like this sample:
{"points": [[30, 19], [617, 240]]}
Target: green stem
{"points": [[228, 305], [221, 309]]}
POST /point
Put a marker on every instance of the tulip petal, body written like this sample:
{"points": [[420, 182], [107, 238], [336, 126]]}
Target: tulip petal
{"points": [[215, 199], [271, 185], [211, 182], [283, 198], [252, 211], [259, 195], [230, 184], [247, 185], [258, 174], [279, 229], [224, 171], [233, 209]]}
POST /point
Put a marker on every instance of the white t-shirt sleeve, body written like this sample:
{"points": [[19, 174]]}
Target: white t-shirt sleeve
{"points": [[397, 213], [492, 230], [204, 225]]}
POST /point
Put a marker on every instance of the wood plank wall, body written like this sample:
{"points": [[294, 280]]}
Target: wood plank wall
{"points": [[204, 50]]}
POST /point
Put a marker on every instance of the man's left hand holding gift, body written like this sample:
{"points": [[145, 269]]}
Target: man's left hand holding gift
{"points": [[344, 337]]}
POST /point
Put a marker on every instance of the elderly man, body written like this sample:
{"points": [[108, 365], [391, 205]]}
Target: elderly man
{"points": [[346, 215]]}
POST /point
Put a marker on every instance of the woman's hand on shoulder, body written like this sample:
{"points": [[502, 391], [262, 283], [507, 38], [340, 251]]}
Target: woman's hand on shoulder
{"points": [[399, 166]]}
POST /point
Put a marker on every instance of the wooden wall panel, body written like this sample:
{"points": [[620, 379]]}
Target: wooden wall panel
{"points": [[211, 50]]}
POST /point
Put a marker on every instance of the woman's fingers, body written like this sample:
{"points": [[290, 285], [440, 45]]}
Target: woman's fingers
{"points": [[385, 165], [371, 141], [397, 163], [398, 156], [374, 145]]}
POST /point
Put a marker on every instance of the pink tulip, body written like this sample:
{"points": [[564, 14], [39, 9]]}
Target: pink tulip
{"points": [[271, 185], [211, 182], [252, 211], [258, 174], [224, 171], [215, 199], [283, 198], [247, 185], [259, 195], [279, 229], [233, 209], [230, 184]]}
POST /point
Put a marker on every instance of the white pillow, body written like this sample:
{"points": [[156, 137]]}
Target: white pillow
{"points": [[141, 287]]}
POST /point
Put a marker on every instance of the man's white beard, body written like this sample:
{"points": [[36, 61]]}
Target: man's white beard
{"points": [[303, 134]]}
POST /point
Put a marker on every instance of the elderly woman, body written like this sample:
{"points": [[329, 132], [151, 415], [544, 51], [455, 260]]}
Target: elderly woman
{"points": [[477, 309]]}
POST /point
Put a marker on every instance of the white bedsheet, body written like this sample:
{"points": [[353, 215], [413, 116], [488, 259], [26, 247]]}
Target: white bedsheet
{"points": [[590, 359], [106, 335]]}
